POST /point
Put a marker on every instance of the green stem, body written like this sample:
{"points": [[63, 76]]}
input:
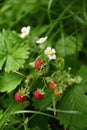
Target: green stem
{"points": [[35, 112], [19, 73], [54, 104]]}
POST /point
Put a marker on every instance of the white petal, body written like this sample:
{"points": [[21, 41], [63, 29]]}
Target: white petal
{"points": [[38, 41], [46, 51], [45, 38], [48, 48], [25, 30], [41, 40], [52, 57], [22, 35], [53, 50], [28, 29]]}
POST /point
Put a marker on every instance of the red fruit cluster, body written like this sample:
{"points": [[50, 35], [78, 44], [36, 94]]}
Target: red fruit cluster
{"points": [[19, 98], [52, 85], [39, 64], [37, 95]]}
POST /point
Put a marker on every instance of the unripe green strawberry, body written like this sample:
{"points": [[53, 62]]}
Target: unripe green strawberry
{"points": [[71, 81], [58, 91]]}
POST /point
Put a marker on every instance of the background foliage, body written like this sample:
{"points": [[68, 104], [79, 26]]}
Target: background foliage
{"points": [[65, 24]]}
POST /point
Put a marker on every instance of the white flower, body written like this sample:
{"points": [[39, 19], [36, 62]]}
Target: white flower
{"points": [[41, 40], [50, 52], [25, 31]]}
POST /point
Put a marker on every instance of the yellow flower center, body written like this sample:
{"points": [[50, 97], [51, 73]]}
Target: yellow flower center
{"points": [[50, 52], [24, 30]]}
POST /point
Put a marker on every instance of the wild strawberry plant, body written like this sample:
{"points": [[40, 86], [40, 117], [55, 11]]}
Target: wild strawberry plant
{"points": [[43, 82]]}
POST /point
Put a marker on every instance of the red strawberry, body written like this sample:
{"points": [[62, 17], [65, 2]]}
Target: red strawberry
{"points": [[38, 95], [19, 98], [52, 85], [39, 64]]}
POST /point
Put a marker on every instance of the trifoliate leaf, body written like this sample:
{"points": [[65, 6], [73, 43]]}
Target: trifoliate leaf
{"points": [[68, 46], [73, 99], [13, 51], [9, 81]]}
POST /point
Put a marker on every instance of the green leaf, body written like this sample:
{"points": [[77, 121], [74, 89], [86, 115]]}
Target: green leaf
{"points": [[8, 113], [12, 51], [9, 81], [83, 73], [68, 46], [73, 100], [1, 111]]}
